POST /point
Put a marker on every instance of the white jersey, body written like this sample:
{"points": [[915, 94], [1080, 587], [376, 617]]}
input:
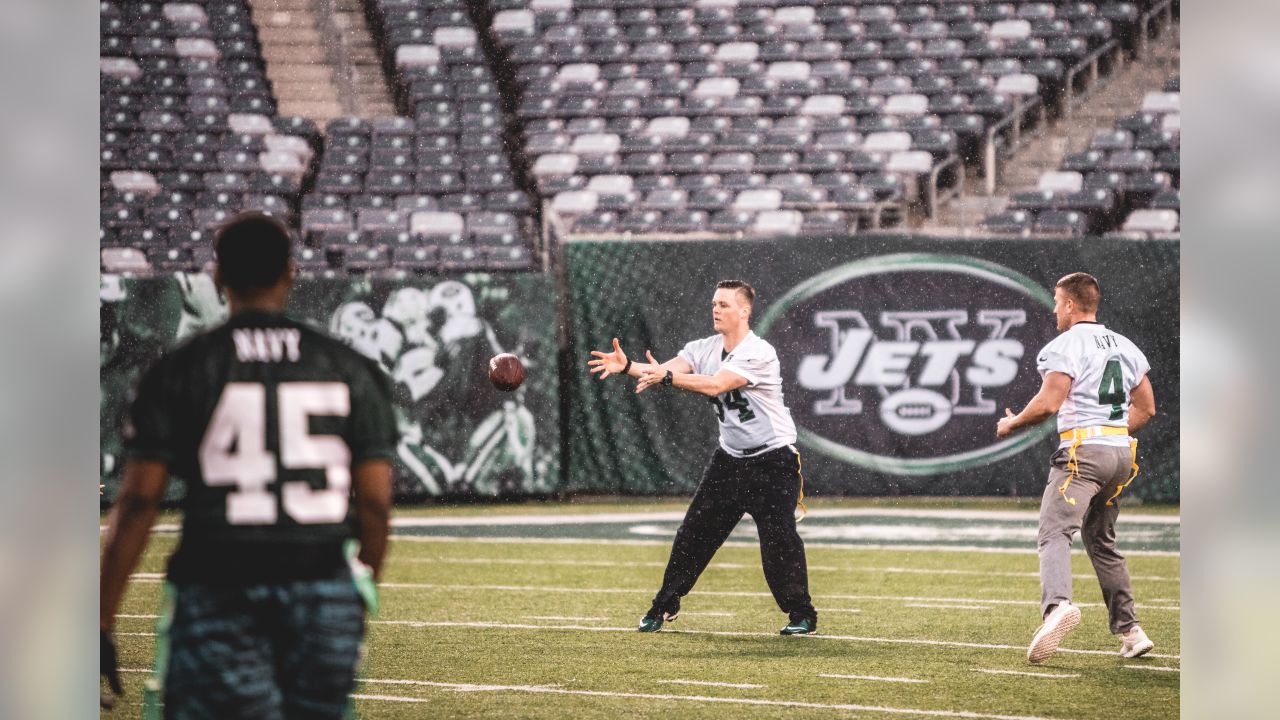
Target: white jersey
{"points": [[1104, 367], [752, 418]]}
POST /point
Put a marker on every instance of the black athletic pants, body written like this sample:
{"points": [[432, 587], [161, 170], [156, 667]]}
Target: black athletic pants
{"points": [[767, 487]]}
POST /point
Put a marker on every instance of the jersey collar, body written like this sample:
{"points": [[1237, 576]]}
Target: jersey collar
{"points": [[745, 339]]}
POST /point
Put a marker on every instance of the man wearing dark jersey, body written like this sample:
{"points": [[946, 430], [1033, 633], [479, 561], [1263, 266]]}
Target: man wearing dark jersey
{"points": [[285, 439]]}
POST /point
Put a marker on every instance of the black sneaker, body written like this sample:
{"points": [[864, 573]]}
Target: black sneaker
{"points": [[801, 626]]}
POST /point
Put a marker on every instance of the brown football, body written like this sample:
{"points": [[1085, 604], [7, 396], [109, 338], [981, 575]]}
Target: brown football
{"points": [[506, 372]]}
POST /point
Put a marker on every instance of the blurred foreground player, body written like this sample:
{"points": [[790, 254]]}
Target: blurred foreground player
{"points": [[1095, 379], [755, 470], [284, 437]]}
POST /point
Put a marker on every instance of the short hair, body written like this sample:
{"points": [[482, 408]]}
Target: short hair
{"points": [[743, 288], [253, 251], [1083, 289]]}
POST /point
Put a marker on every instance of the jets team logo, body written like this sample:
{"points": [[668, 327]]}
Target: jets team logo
{"points": [[902, 363]]}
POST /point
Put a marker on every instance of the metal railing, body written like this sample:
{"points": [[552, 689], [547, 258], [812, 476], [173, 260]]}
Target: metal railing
{"points": [[1161, 12], [1007, 135], [1073, 98], [934, 193]]}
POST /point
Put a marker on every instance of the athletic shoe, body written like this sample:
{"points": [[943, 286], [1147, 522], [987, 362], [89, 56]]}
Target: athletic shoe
{"points": [[801, 626], [653, 620], [1135, 643], [1057, 624], [653, 623]]}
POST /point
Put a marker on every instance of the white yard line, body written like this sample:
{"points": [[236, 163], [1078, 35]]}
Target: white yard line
{"points": [[872, 678], [466, 687], [848, 610], [731, 633], [678, 515], [1056, 676], [708, 683], [564, 617], [605, 518], [389, 698], [732, 593], [532, 540], [539, 561], [1153, 667], [587, 563], [753, 566], [135, 634], [705, 613], [984, 573], [942, 606]]}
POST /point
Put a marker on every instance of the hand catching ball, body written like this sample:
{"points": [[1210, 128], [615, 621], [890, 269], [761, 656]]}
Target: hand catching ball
{"points": [[506, 372]]}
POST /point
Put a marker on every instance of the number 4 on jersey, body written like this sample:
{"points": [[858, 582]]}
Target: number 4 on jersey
{"points": [[734, 401], [1111, 391]]}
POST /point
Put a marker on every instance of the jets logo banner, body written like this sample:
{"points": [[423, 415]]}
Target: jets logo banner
{"points": [[898, 356], [903, 362]]}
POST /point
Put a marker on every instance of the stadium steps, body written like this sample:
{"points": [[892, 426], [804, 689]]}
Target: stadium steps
{"points": [[321, 59], [1120, 95], [362, 85], [292, 45]]}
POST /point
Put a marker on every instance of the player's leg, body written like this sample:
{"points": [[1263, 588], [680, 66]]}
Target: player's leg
{"points": [[1062, 508], [773, 490], [1110, 566], [221, 663], [714, 511], [320, 647]]}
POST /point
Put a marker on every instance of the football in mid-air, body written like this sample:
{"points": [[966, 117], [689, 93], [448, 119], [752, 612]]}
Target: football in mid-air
{"points": [[506, 372]]}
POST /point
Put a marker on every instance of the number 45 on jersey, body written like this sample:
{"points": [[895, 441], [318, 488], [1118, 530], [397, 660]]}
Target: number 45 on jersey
{"points": [[234, 452]]}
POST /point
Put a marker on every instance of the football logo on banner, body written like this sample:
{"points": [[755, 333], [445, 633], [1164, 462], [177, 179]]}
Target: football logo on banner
{"points": [[902, 362]]}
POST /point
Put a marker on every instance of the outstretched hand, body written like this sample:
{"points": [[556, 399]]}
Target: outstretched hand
{"points": [[607, 364], [1004, 426], [651, 375]]}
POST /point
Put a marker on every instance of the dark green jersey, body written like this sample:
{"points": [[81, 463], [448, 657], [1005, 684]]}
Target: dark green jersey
{"points": [[264, 418]]}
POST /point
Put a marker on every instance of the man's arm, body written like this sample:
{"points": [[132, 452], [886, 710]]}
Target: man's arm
{"points": [[128, 530], [1142, 405], [709, 385], [373, 510], [1053, 392], [615, 363]]}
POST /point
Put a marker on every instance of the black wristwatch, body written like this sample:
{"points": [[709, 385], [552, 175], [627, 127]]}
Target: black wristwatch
{"points": [[667, 380]]}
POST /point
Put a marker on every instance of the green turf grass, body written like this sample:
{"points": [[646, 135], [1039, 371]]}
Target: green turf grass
{"points": [[604, 586]]}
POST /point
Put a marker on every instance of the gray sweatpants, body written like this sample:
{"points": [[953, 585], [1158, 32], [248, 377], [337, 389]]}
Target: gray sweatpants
{"points": [[1103, 469]]}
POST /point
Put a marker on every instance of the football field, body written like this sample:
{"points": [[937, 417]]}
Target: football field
{"points": [[530, 611]]}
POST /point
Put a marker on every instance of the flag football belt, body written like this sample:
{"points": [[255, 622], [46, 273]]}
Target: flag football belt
{"points": [[1077, 436]]}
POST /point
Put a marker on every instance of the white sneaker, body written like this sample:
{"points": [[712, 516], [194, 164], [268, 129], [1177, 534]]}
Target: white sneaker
{"points": [[1061, 621], [1135, 643]]}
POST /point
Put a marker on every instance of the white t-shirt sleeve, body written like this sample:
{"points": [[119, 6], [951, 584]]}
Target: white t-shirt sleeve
{"points": [[690, 353], [1055, 357], [753, 366], [1143, 366]]}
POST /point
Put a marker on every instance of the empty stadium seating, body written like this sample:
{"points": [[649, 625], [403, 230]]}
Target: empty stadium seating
{"points": [[1125, 182], [440, 175], [189, 133], [841, 107], [727, 118]]}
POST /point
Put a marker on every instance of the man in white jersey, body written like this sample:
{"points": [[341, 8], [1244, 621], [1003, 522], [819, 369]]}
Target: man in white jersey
{"points": [[755, 470], [1095, 379]]}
